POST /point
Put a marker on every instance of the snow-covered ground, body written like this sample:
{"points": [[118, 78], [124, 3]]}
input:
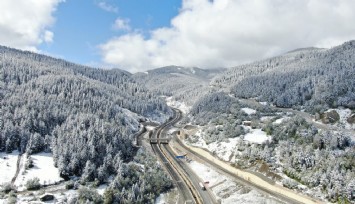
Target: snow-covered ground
{"points": [[249, 111], [226, 189], [224, 150], [266, 118], [256, 136], [7, 166], [280, 120], [101, 189], [179, 105], [43, 169], [344, 114]]}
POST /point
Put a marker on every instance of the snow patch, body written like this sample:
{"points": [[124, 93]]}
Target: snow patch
{"points": [[249, 111], [280, 120], [101, 189], [256, 136], [8, 164], [224, 150], [43, 169]]}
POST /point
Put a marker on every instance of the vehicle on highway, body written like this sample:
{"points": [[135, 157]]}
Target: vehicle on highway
{"points": [[202, 186]]}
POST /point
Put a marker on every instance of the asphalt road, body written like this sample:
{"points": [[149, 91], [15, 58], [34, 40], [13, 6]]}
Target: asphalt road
{"points": [[185, 193], [167, 155]]}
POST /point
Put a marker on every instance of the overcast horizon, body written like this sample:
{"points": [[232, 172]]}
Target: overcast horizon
{"points": [[138, 35]]}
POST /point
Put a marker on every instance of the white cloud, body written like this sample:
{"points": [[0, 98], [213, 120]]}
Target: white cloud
{"points": [[121, 24], [48, 36], [24, 23], [228, 32], [107, 7]]}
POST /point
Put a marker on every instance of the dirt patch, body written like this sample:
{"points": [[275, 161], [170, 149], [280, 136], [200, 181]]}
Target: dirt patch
{"points": [[190, 127], [351, 119], [330, 117], [265, 169]]}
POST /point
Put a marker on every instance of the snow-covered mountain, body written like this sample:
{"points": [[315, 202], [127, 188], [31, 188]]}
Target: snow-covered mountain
{"points": [[308, 77], [182, 83], [85, 116]]}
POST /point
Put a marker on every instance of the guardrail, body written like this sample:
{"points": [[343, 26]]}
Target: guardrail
{"points": [[196, 196]]}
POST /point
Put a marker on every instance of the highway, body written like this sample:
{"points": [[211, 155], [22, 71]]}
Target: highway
{"points": [[187, 181], [245, 177], [184, 178]]}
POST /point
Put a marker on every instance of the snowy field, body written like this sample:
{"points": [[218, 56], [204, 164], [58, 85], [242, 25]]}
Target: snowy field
{"points": [[248, 111], [226, 189], [256, 136], [43, 169], [7, 166], [226, 150]]}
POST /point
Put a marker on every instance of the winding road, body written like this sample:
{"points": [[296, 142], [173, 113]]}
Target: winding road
{"points": [[184, 178]]}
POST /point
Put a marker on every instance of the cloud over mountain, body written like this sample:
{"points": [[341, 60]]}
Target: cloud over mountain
{"points": [[219, 33]]}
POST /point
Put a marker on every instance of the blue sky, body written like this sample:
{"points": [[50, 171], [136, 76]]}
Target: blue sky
{"points": [[137, 35], [81, 25]]}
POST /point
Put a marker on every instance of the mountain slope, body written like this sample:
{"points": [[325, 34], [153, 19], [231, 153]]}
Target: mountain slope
{"points": [[86, 117], [307, 77], [184, 84]]}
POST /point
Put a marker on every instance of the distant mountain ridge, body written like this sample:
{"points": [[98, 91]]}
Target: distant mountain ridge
{"points": [[183, 83]]}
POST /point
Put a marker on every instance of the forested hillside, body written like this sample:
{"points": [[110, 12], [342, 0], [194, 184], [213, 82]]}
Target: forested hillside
{"points": [[315, 78], [84, 116], [299, 154], [289, 146], [183, 84]]}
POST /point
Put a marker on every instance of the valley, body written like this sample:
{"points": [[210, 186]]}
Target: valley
{"points": [[280, 130]]}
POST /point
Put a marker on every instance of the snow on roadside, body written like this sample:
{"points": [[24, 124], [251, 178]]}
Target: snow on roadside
{"points": [[43, 169], [248, 111], [179, 105], [224, 150], [256, 136], [226, 189], [8, 163]]}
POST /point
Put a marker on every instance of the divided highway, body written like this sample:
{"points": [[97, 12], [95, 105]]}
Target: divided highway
{"points": [[184, 178]]}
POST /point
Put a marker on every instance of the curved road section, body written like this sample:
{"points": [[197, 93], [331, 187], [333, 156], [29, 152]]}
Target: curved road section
{"points": [[184, 178]]}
